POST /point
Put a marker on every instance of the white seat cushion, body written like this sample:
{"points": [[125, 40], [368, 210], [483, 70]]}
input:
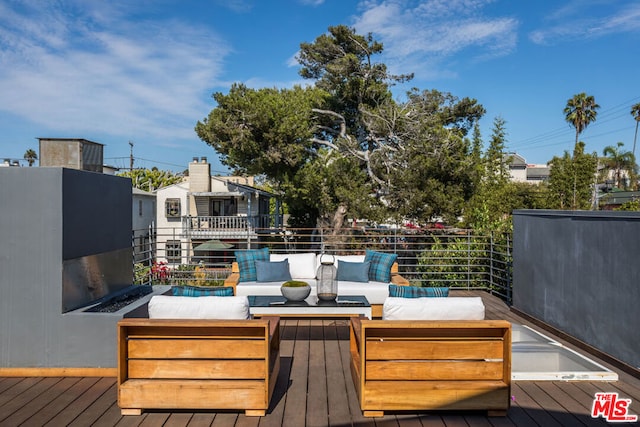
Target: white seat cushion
{"points": [[450, 308], [170, 307], [301, 266], [376, 292]]}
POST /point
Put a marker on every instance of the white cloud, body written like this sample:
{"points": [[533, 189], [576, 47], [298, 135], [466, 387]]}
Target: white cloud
{"points": [[238, 6], [312, 2], [571, 23], [77, 70], [421, 37]]}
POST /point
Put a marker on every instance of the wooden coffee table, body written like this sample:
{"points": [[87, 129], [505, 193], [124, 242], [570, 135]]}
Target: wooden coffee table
{"points": [[276, 305]]}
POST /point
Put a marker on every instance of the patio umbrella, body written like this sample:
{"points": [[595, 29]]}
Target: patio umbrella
{"points": [[213, 245]]}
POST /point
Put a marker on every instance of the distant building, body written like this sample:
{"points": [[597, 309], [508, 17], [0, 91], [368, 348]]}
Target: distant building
{"points": [[71, 153], [6, 163], [521, 171], [205, 207]]}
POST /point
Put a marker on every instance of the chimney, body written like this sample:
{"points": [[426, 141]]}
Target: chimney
{"points": [[199, 175]]}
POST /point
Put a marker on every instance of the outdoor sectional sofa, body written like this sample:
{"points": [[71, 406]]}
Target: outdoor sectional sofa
{"points": [[304, 266]]}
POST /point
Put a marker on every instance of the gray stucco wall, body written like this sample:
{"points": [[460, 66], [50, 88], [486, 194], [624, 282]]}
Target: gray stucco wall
{"points": [[49, 216], [580, 272]]}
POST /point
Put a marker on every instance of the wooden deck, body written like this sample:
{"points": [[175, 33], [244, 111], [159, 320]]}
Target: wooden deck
{"points": [[314, 389]]}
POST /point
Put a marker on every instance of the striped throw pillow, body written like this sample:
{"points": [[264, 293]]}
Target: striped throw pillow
{"points": [[417, 291], [246, 263], [380, 267], [202, 291]]}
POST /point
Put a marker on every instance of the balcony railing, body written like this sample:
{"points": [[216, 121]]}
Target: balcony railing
{"points": [[454, 258], [237, 227]]}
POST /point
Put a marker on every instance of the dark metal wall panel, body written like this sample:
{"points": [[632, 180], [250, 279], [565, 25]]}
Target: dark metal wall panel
{"points": [[96, 213], [580, 272]]}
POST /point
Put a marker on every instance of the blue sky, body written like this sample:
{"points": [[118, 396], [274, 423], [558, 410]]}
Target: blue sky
{"points": [[144, 71]]}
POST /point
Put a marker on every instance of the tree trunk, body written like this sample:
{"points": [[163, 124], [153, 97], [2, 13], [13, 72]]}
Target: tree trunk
{"points": [[338, 219]]}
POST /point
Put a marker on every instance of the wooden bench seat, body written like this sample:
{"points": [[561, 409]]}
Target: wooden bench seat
{"points": [[401, 365], [197, 364]]}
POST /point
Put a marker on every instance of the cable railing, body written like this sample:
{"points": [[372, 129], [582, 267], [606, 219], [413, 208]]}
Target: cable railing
{"points": [[454, 258]]}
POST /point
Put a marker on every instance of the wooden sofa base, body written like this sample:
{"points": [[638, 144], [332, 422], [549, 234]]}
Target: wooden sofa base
{"points": [[197, 364], [431, 365]]}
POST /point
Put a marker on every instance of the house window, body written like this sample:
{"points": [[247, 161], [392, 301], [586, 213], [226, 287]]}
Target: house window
{"points": [[174, 251], [139, 207], [172, 208]]}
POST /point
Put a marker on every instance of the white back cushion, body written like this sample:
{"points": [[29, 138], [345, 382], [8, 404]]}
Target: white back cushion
{"points": [[449, 308], [301, 266], [170, 307]]}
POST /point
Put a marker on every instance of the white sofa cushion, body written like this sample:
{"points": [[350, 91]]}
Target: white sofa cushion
{"points": [[336, 258], [170, 307], [301, 266], [451, 308]]}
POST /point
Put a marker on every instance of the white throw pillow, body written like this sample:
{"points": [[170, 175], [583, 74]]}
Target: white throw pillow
{"points": [[301, 266], [170, 307], [450, 308]]}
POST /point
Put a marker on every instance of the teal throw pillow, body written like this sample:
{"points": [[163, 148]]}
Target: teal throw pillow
{"points": [[277, 271], [353, 271], [202, 291], [417, 291], [246, 263], [380, 268]]}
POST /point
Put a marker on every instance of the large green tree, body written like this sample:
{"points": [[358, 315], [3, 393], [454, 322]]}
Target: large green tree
{"points": [[571, 179], [496, 196], [343, 146], [581, 110]]}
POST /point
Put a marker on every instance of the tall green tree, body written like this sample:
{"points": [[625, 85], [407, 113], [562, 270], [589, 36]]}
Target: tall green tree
{"points": [[344, 146], [571, 179], [620, 162], [496, 197], [496, 161], [635, 112], [30, 156], [580, 111]]}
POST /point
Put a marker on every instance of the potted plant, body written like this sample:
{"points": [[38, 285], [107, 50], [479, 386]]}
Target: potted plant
{"points": [[295, 290]]}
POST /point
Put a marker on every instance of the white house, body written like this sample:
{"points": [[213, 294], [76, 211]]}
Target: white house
{"points": [[203, 208], [143, 216]]}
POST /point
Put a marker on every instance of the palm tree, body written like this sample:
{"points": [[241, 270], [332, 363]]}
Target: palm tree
{"points": [[580, 111], [30, 156], [635, 112], [617, 160]]}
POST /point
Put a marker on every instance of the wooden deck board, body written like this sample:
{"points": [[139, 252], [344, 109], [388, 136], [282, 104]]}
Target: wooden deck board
{"points": [[314, 389]]}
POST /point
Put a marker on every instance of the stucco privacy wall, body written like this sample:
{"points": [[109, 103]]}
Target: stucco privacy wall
{"points": [[49, 216], [579, 272]]}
